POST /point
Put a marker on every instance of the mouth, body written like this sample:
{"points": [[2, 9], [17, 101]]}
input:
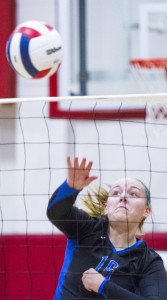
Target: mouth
{"points": [[122, 207]]}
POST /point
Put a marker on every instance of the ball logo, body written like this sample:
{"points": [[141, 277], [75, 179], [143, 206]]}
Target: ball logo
{"points": [[53, 50]]}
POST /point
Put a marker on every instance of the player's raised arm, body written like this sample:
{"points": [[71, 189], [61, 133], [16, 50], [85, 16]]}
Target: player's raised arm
{"points": [[61, 210], [79, 173], [78, 177]]}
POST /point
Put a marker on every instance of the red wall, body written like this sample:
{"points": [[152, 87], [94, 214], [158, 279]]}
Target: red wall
{"points": [[7, 75], [30, 265]]}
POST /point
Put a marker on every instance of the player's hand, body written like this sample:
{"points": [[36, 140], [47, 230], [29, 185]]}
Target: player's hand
{"points": [[79, 174], [92, 280]]}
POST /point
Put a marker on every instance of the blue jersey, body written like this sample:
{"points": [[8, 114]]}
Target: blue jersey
{"points": [[135, 273]]}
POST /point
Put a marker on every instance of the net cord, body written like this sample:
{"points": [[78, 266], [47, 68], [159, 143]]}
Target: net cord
{"points": [[150, 97]]}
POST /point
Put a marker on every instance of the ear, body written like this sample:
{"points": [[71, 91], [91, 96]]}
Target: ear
{"points": [[147, 212]]}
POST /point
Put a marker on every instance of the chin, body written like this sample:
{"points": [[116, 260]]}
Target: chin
{"points": [[118, 217]]}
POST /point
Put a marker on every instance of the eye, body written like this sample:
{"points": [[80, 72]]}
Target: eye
{"points": [[116, 193], [133, 195]]}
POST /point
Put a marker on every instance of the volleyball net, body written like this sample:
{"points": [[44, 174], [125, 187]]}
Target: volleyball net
{"points": [[124, 136]]}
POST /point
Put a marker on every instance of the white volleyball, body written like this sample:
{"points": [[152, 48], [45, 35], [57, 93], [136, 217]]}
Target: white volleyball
{"points": [[34, 50]]}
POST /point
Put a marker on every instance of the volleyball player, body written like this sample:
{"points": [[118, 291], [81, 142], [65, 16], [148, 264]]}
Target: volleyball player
{"points": [[104, 257]]}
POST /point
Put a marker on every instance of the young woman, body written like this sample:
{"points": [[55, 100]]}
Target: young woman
{"points": [[104, 258]]}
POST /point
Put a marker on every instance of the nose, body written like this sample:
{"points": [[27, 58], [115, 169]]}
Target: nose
{"points": [[123, 198]]}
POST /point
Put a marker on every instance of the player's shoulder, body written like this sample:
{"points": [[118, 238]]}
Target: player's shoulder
{"points": [[150, 251], [150, 257]]}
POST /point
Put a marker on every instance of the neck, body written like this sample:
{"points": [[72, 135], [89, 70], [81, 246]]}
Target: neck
{"points": [[121, 238]]}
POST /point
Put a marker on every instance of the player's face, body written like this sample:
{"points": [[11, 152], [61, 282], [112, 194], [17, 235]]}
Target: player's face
{"points": [[127, 201]]}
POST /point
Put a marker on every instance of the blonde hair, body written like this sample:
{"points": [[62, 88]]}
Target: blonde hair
{"points": [[96, 199]]}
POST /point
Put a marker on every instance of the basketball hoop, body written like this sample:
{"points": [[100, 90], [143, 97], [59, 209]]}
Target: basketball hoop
{"points": [[159, 63], [151, 74]]}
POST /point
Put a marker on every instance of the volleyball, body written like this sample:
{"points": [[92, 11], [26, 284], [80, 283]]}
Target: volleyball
{"points": [[34, 50]]}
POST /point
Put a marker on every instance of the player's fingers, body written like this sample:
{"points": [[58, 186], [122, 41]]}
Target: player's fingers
{"points": [[90, 179], [69, 163], [85, 273], [85, 283], [83, 163], [89, 166], [76, 163], [83, 276], [90, 270]]}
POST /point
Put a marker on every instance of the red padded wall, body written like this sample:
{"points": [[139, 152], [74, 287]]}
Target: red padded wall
{"points": [[7, 75], [30, 265]]}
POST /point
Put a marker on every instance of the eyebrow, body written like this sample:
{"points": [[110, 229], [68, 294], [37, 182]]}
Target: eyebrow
{"points": [[118, 186], [135, 187], [115, 187]]}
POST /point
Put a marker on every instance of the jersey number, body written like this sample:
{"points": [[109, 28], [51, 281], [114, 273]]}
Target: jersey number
{"points": [[109, 269]]}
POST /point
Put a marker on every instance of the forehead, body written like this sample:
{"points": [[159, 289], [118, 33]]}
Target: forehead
{"points": [[127, 182]]}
